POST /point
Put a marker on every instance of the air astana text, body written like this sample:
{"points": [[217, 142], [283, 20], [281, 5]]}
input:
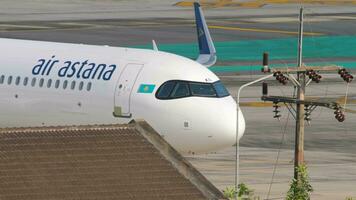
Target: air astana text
{"points": [[76, 69]]}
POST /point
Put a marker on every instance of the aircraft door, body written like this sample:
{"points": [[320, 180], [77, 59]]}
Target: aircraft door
{"points": [[124, 88]]}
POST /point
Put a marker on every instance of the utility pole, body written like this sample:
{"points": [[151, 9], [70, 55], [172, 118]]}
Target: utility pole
{"points": [[300, 107], [299, 132]]}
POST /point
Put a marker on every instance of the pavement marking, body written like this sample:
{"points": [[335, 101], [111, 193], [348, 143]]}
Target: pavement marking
{"points": [[263, 30], [48, 29], [261, 3], [324, 2], [148, 23], [294, 19], [17, 26], [76, 24]]}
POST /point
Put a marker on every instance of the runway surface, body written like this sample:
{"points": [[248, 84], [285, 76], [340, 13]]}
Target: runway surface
{"points": [[241, 36], [240, 41]]}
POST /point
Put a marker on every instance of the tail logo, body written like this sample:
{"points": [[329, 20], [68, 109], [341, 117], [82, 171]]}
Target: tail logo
{"points": [[201, 32]]}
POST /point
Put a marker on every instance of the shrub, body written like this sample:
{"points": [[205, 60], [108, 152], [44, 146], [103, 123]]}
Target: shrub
{"points": [[244, 193], [300, 190]]}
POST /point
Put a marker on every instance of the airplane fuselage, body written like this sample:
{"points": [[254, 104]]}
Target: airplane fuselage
{"points": [[51, 84]]}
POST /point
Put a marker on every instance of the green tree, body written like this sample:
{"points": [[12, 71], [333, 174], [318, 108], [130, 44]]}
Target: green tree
{"points": [[300, 190]]}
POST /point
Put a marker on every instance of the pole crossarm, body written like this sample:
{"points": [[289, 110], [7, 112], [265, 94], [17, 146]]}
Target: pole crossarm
{"points": [[291, 100], [306, 68]]}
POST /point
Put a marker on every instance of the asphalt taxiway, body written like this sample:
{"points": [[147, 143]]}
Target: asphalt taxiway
{"points": [[241, 36]]}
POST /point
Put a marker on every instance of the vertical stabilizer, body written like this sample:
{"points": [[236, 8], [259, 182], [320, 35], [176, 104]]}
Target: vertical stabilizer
{"points": [[207, 53]]}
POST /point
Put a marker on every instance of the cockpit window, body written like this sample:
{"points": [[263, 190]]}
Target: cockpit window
{"points": [[166, 89], [202, 89], [178, 89], [220, 89]]}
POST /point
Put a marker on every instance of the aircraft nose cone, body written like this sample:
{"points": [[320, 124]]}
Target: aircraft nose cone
{"points": [[230, 124], [211, 127], [224, 123]]}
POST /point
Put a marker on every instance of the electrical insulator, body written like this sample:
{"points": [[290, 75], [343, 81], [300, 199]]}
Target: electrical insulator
{"points": [[310, 73], [307, 113], [281, 78], [307, 72], [284, 80], [278, 75], [351, 78], [339, 115], [342, 71], [348, 78], [337, 111], [317, 78], [314, 76], [345, 75], [276, 111]]}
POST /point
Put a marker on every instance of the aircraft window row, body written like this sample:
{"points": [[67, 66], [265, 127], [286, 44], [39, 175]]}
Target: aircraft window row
{"points": [[178, 89], [43, 83]]}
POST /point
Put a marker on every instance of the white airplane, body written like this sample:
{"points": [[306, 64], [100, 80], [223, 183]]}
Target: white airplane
{"points": [[50, 84]]}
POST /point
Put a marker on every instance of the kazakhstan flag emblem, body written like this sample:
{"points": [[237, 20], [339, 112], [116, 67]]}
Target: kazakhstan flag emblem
{"points": [[146, 88]]}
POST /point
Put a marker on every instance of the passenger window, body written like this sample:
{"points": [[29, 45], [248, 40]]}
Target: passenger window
{"points": [[41, 82], [33, 82], [9, 80], [17, 82], [65, 83], [56, 85], [180, 90], [2, 79], [49, 83], [165, 90], [72, 86], [89, 86], [25, 81], [81, 84]]}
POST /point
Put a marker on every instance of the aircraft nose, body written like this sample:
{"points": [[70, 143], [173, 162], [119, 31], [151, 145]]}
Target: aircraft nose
{"points": [[223, 124], [211, 127], [230, 124]]}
